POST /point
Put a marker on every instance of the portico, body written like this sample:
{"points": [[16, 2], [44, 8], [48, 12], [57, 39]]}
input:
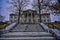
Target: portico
{"points": [[29, 16], [26, 17]]}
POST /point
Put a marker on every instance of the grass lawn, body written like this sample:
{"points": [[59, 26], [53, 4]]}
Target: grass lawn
{"points": [[53, 25], [2, 26]]}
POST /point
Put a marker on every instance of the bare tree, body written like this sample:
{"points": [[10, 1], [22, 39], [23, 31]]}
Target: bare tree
{"points": [[2, 18], [37, 6], [59, 1], [52, 4], [19, 5]]}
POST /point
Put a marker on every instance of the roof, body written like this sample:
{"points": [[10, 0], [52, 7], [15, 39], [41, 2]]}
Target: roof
{"points": [[24, 12], [29, 10], [45, 14], [13, 14]]}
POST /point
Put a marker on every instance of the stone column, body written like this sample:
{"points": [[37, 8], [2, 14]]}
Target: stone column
{"points": [[23, 19], [35, 19], [31, 18], [20, 19], [27, 18]]}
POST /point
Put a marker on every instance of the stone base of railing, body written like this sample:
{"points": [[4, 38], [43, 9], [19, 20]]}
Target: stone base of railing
{"points": [[55, 32], [8, 28]]}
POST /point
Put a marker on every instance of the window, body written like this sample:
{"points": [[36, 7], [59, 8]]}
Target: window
{"points": [[11, 17], [44, 20], [15, 17], [15, 20], [47, 16]]}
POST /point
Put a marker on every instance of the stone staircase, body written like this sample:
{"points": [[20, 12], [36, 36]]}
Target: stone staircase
{"points": [[27, 36], [27, 28]]}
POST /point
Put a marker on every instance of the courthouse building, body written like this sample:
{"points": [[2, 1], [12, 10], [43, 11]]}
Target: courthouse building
{"points": [[30, 16]]}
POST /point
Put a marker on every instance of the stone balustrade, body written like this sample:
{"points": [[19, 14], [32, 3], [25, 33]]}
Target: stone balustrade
{"points": [[45, 27], [8, 28], [56, 32]]}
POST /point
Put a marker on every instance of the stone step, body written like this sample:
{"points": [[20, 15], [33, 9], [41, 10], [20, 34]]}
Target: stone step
{"points": [[27, 34], [27, 28], [28, 38]]}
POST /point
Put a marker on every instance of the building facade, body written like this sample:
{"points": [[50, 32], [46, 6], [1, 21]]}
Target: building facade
{"points": [[30, 16], [27, 16], [45, 18], [13, 18]]}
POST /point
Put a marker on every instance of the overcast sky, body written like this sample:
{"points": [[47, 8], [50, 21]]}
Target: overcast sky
{"points": [[5, 12]]}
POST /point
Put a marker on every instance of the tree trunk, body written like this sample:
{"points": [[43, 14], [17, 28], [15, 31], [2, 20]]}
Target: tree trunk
{"points": [[19, 17], [39, 9], [19, 12]]}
